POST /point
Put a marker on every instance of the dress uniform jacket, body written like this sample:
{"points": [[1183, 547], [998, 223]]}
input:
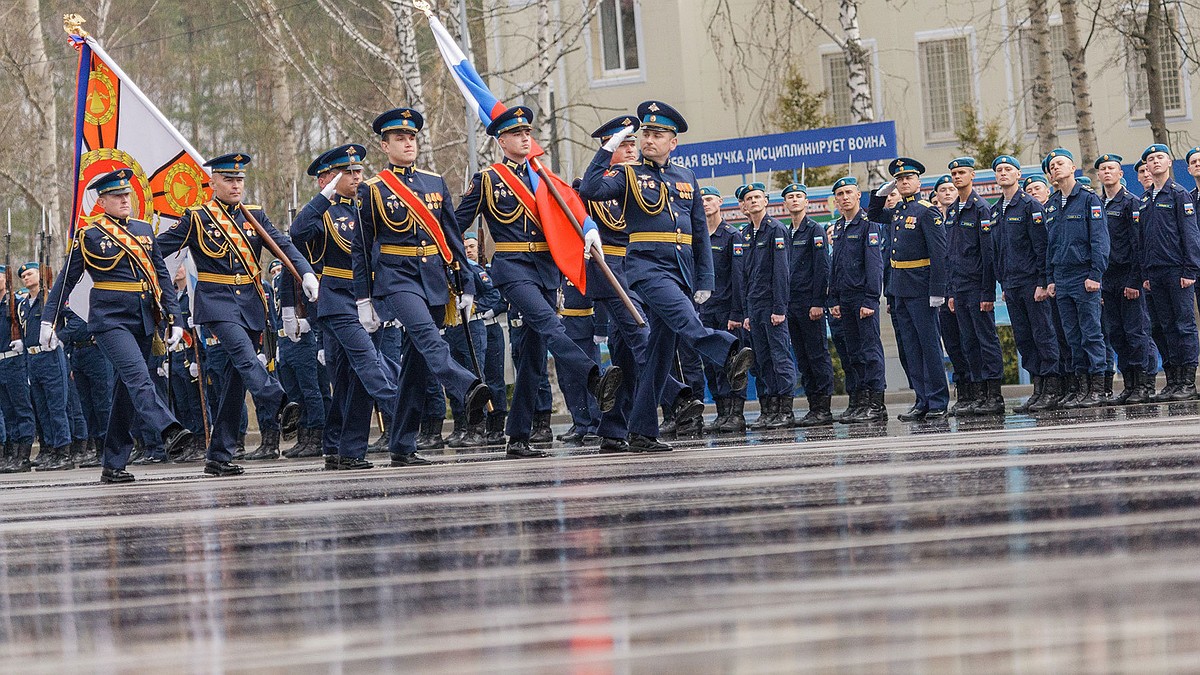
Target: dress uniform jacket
{"points": [[614, 239], [916, 250], [325, 231]]}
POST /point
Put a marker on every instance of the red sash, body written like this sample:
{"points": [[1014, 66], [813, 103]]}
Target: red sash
{"points": [[519, 188], [417, 205]]}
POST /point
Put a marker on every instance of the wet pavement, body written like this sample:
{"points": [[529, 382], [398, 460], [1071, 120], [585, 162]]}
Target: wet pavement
{"points": [[1066, 543]]}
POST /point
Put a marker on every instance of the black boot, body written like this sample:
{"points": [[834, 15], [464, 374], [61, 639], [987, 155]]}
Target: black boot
{"points": [[1185, 389], [495, 429], [195, 453], [852, 406], [722, 412], [79, 451], [541, 432], [454, 440], [766, 411], [785, 414], [431, 434], [1168, 390], [667, 428], [311, 447], [268, 448], [875, 410], [1106, 394], [9, 453], [991, 401], [735, 419], [1076, 386], [689, 414], [1092, 394], [293, 452], [818, 412], [1148, 380], [963, 399], [1135, 385], [239, 452], [692, 425], [59, 459], [1038, 386], [473, 436], [1130, 380], [380, 445], [20, 458], [93, 454]]}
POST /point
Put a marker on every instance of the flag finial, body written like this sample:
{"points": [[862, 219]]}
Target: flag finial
{"points": [[73, 24], [423, 7]]}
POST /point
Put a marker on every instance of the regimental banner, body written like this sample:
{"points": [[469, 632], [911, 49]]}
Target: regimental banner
{"points": [[791, 150]]}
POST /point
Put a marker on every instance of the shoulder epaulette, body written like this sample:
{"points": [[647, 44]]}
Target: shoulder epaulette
{"points": [[255, 207], [925, 202], [372, 180], [427, 173]]}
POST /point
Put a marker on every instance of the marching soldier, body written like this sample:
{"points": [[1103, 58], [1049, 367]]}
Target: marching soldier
{"points": [[15, 402], [762, 304], [185, 369], [490, 305], [578, 317], [728, 249], [298, 367], [1170, 263], [668, 259], [47, 375], [528, 277], [1077, 255], [231, 303], [132, 294], [407, 250], [809, 259]]}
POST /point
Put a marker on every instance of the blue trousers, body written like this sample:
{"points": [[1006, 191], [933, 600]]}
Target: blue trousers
{"points": [[538, 364], [811, 346], [773, 354], [216, 366], [628, 345], [952, 341], [456, 338], [543, 329], [918, 323], [838, 337], [864, 349], [75, 417], [493, 368], [426, 356], [94, 380], [185, 395], [48, 390], [672, 319], [980, 343], [1065, 355], [587, 419], [1158, 336], [1175, 307], [136, 403], [241, 373], [359, 374], [718, 383], [1033, 331], [1126, 324], [299, 365], [1080, 312]]}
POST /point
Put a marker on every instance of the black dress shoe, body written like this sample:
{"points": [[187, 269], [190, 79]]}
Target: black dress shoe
{"points": [[939, 414], [521, 450], [737, 366], [914, 414], [605, 387], [353, 463], [176, 440], [640, 443], [115, 476], [222, 469], [590, 438], [331, 462], [153, 459], [572, 437], [476, 403], [408, 460], [289, 417], [688, 410], [610, 446]]}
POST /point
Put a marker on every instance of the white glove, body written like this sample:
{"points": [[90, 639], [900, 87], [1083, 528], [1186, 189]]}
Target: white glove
{"points": [[886, 189], [311, 286], [17, 346], [591, 242], [615, 142], [162, 370], [366, 315], [936, 301], [702, 297], [194, 370], [175, 336], [490, 314], [262, 358], [321, 356], [45, 335], [191, 324], [599, 339], [331, 188], [290, 329], [465, 301], [303, 325]]}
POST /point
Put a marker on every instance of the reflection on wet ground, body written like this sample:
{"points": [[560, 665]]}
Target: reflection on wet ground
{"points": [[1061, 544]]}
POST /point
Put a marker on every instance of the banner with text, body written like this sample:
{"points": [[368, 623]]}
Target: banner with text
{"points": [[790, 150]]}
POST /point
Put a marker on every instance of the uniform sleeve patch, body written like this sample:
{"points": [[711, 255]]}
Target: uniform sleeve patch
{"points": [[738, 248], [1097, 213], [1136, 215], [610, 173], [1037, 217], [1189, 208], [779, 243], [986, 225], [872, 239], [819, 242]]}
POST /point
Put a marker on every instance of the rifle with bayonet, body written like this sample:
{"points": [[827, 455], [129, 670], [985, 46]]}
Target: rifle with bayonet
{"points": [[454, 276], [14, 324]]}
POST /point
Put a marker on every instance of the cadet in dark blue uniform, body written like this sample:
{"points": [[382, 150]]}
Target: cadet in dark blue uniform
{"points": [[93, 382], [132, 296], [578, 317], [528, 276], [945, 197], [408, 245], [47, 375], [728, 250], [298, 367], [1077, 255], [763, 302], [231, 304], [856, 282], [668, 259], [1123, 316], [15, 402], [916, 279], [490, 305], [185, 370], [465, 435], [809, 262], [1020, 236], [972, 289], [1170, 264]]}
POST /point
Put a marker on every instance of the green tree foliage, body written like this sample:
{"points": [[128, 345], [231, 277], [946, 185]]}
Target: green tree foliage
{"points": [[984, 140], [798, 108]]}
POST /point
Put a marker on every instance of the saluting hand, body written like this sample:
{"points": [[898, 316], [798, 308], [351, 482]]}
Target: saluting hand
{"points": [[331, 187]]}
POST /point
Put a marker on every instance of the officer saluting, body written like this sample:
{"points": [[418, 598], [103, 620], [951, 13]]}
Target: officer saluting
{"points": [[667, 261], [132, 294], [231, 304]]}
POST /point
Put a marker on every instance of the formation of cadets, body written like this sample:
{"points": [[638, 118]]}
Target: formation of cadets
{"points": [[378, 306]]}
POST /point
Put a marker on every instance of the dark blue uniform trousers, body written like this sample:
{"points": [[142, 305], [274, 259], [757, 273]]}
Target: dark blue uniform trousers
{"points": [[241, 373], [1080, 312], [216, 366], [980, 343], [672, 318], [48, 389], [456, 338], [628, 345], [585, 414], [1065, 355], [773, 354], [359, 375], [1175, 307], [185, 395], [136, 402], [538, 364], [298, 363], [1157, 336], [952, 341], [493, 368], [77, 421], [864, 349], [1033, 331], [809, 341], [426, 356], [718, 383], [838, 336], [1127, 327], [918, 323], [543, 329]]}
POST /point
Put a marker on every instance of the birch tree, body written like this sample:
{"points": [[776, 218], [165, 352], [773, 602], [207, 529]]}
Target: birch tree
{"points": [[1075, 53], [1045, 107]]}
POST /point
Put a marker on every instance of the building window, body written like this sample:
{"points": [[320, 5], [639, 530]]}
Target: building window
{"points": [[618, 36], [837, 86], [1060, 75], [1170, 66], [946, 80]]}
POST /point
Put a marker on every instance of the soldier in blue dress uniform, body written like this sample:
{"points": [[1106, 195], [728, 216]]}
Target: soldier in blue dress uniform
{"points": [[47, 374], [492, 307], [408, 252], [1170, 263], [528, 276], [297, 366], [93, 383], [132, 298], [15, 401], [185, 370], [578, 314], [809, 280], [231, 304], [728, 251], [668, 261]]}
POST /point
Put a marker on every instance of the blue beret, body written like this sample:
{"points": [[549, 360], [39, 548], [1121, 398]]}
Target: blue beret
{"points": [[960, 162], [274, 263], [398, 119], [659, 115], [1157, 147], [795, 187], [610, 128], [1084, 180], [234, 164], [843, 182], [1006, 159], [1106, 158], [3, 268], [742, 191], [905, 165], [1193, 151], [1036, 178], [514, 119], [1139, 164], [470, 235], [709, 191], [113, 183], [942, 180], [349, 156], [1057, 152], [26, 267]]}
